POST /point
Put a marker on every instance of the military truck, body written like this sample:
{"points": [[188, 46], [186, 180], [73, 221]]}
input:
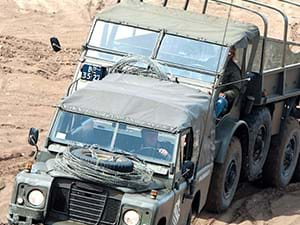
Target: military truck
{"points": [[158, 71]]}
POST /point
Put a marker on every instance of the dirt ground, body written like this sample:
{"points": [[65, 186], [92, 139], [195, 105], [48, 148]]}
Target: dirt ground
{"points": [[33, 79]]}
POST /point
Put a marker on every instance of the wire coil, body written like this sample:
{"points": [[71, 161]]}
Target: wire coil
{"points": [[140, 177]]}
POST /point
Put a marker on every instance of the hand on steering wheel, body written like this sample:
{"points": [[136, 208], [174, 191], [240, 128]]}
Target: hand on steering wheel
{"points": [[161, 151]]}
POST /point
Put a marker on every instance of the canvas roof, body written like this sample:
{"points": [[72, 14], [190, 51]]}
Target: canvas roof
{"points": [[141, 101], [180, 22]]}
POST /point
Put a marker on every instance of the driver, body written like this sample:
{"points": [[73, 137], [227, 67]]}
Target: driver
{"points": [[150, 142], [230, 92]]}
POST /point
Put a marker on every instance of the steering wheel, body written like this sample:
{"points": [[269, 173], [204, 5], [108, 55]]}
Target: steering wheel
{"points": [[154, 152], [129, 65]]}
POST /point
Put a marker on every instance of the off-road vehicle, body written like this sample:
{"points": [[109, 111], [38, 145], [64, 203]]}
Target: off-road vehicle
{"points": [[159, 70]]}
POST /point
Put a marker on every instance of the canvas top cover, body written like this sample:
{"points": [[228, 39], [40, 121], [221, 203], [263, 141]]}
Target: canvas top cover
{"points": [[141, 101], [182, 23]]}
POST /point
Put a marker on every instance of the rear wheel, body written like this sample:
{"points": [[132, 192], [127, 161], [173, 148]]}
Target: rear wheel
{"points": [[296, 176], [283, 156], [225, 178], [259, 122]]}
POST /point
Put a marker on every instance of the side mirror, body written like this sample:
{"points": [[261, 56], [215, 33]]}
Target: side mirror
{"points": [[55, 44], [188, 169], [33, 136]]}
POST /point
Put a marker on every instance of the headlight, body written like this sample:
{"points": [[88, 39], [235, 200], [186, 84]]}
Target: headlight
{"points": [[131, 217], [36, 198]]}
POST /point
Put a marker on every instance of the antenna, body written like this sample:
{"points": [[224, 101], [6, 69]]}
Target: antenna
{"points": [[211, 99]]}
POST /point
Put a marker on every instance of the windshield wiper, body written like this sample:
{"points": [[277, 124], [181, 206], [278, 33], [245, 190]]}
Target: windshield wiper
{"points": [[120, 151], [116, 151]]}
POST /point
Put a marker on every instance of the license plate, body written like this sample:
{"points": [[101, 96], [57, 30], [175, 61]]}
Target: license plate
{"points": [[90, 73]]}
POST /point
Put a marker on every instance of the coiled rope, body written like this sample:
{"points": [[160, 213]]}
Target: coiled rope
{"points": [[140, 178]]}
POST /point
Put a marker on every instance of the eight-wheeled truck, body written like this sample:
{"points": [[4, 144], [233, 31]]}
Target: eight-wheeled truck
{"points": [[157, 70]]}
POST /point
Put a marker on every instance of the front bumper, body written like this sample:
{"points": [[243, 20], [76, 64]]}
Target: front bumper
{"points": [[23, 215]]}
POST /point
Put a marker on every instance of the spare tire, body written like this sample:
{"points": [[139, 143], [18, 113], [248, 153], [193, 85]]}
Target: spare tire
{"points": [[104, 159]]}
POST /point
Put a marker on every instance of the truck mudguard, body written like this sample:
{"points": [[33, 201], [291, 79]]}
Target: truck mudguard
{"points": [[225, 129]]}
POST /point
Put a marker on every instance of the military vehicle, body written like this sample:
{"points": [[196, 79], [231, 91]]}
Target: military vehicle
{"points": [[137, 141]]}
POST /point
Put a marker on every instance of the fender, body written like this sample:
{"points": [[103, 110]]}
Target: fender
{"points": [[225, 130]]}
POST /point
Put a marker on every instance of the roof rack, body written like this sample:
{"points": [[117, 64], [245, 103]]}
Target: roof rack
{"points": [[286, 24], [263, 18], [284, 16], [290, 2], [165, 3]]}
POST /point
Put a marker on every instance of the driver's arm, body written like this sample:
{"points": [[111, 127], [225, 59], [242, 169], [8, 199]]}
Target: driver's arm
{"points": [[165, 153]]}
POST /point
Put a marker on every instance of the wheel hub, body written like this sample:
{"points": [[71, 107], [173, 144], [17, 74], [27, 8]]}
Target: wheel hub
{"points": [[289, 155], [231, 175], [259, 144]]}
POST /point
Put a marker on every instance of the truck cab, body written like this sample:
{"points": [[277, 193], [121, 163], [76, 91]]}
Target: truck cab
{"points": [[134, 161]]}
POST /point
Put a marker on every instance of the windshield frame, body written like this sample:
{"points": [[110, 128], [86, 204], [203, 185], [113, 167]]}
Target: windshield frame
{"points": [[117, 52], [151, 160], [161, 35]]}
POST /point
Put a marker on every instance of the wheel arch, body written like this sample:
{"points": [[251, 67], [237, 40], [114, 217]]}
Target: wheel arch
{"points": [[225, 132], [162, 221], [196, 202]]}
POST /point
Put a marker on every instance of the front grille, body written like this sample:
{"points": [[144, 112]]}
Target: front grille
{"points": [[86, 206], [85, 203]]}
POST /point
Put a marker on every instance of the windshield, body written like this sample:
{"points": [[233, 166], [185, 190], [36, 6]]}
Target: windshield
{"points": [[192, 53], [149, 144], [122, 38]]}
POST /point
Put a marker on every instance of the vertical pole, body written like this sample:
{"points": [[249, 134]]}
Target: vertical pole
{"points": [[186, 4], [204, 7], [286, 24]]}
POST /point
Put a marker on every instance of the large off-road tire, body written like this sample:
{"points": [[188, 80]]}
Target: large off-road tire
{"points": [[283, 155], [189, 217], [259, 122], [296, 176], [225, 178]]}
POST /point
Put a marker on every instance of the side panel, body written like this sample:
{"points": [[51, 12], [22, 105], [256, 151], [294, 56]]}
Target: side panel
{"points": [[281, 84], [202, 182], [276, 117]]}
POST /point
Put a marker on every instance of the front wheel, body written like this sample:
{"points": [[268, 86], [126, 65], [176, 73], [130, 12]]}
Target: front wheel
{"points": [[283, 156], [189, 218], [225, 178]]}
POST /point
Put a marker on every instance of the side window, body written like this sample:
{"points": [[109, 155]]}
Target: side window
{"points": [[186, 147]]}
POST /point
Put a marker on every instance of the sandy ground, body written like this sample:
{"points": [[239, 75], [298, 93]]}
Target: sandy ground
{"points": [[33, 79]]}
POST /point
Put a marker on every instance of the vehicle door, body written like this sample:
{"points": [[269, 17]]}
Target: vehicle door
{"points": [[182, 203]]}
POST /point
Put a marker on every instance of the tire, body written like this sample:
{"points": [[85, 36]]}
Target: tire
{"points": [[259, 122], [283, 156], [189, 217], [225, 179], [107, 160], [296, 176]]}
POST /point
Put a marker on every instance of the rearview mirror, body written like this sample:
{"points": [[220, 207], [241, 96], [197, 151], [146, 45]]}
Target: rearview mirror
{"points": [[188, 169], [55, 44], [33, 136]]}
